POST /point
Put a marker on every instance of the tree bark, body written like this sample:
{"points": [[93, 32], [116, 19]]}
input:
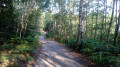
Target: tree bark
{"points": [[92, 27], [96, 21], [103, 20], [117, 28], [111, 21], [80, 25], [86, 22], [105, 16]]}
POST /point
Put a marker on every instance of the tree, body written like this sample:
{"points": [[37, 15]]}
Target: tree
{"points": [[117, 26], [80, 25], [86, 32], [111, 21], [96, 19]]}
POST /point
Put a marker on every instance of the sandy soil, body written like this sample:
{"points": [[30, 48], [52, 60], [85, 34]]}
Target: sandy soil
{"points": [[55, 55]]}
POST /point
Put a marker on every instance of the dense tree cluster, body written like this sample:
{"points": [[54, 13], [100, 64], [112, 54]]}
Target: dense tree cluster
{"points": [[19, 28], [90, 26]]}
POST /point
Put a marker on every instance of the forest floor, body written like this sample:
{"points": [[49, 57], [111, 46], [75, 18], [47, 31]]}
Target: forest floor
{"points": [[54, 54]]}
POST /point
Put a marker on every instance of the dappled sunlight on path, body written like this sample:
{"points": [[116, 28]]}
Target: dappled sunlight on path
{"points": [[55, 55]]}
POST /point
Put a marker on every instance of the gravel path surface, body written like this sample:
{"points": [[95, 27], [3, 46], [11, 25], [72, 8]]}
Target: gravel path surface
{"points": [[55, 55]]}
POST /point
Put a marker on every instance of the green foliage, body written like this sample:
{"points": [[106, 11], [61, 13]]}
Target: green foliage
{"points": [[101, 53], [70, 42], [24, 46], [7, 46], [59, 39], [29, 58], [63, 27], [50, 35], [12, 24]]}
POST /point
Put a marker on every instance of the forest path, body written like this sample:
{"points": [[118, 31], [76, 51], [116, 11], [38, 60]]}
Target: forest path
{"points": [[54, 54]]}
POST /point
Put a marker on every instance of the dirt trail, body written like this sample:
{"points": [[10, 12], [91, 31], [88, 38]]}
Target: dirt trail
{"points": [[55, 55]]}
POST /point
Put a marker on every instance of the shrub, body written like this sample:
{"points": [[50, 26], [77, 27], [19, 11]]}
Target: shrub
{"points": [[71, 43], [100, 54]]}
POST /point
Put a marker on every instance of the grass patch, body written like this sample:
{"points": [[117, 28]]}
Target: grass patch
{"points": [[18, 51]]}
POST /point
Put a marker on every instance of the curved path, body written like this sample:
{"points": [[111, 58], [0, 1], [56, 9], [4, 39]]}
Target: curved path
{"points": [[55, 55]]}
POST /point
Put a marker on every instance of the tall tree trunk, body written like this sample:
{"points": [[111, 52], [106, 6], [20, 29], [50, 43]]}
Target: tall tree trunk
{"points": [[92, 27], [116, 18], [22, 26], [117, 27], [55, 29], [62, 18], [111, 21], [96, 21], [18, 26], [102, 25], [70, 24], [116, 13], [80, 25], [105, 16], [86, 22]]}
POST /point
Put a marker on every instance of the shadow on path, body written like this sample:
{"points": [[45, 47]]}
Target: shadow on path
{"points": [[55, 55]]}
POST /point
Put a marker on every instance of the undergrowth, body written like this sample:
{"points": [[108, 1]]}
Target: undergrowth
{"points": [[17, 50], [100, 53]]}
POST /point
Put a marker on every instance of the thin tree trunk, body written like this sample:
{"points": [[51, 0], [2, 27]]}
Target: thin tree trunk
{"points": [[105, 16], [117, 28], [103, 19], [70, 23], [25, 30], [96, 21], [111, 21], [55, 29], [116, 13], [22, 26], [116, 31], [61, 18], [80, 25], [86, 23], [20, 32], [116, 18], [18, 26], [92, 27]]}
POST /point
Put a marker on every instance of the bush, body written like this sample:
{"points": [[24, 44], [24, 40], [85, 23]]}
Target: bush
{"points": [[97, 51], [71, 42], [19, 49], [6, 46], [100, 54], [50, 35]]}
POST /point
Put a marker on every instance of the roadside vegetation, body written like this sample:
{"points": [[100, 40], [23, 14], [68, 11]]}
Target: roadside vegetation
{"points": [[19, 31], [90, 27]]}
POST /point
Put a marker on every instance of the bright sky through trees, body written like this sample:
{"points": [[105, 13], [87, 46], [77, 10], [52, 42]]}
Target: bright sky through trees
{"points": [[90, 27], [54, 7]]}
